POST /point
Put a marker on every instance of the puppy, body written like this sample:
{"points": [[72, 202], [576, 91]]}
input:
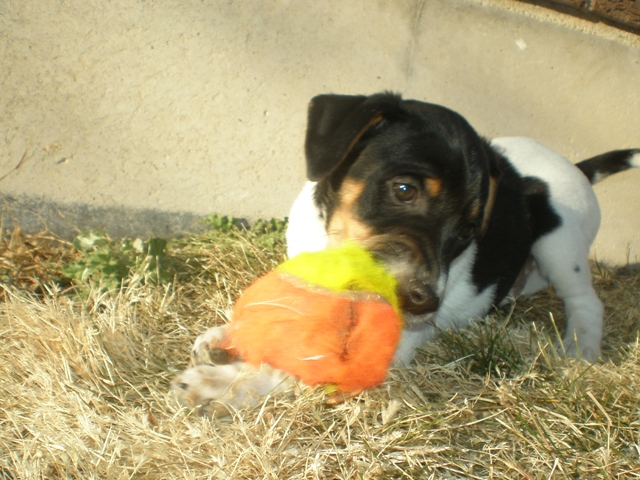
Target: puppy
{"points": [[463, 223]]}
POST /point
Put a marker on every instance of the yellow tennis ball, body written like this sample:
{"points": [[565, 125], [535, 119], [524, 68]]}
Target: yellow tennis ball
{"points": [[349, 267]]}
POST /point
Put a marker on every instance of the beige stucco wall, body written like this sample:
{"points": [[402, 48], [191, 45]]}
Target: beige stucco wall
{"points": [[141, 116]]}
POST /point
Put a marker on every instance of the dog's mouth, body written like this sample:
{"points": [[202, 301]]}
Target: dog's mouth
{"points": [[417, 289]]}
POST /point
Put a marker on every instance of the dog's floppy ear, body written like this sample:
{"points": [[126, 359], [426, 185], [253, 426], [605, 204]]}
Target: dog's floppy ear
{"points": [[494, 180], [335, 124]]}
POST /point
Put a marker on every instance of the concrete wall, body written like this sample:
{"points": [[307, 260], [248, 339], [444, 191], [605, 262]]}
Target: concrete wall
{"points": [[141, 116]]}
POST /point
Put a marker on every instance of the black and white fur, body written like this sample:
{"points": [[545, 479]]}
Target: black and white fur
{"points": [[464, 223], [560, 256]]}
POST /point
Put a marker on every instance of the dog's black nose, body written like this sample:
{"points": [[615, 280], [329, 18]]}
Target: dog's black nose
{"points": [[419, 299]]}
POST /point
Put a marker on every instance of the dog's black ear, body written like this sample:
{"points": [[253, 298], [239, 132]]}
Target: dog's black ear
{"points": [[494, 180], [336, 123]]}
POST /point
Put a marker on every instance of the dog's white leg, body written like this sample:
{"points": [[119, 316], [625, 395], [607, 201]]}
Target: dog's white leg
{"points": [[411, 340], [566, 266], [562, 255], [535, 283]]}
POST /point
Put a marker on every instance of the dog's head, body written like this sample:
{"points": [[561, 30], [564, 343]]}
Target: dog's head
{"points": [[411, 181]]}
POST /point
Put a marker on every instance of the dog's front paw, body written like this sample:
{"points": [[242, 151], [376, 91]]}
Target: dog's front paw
{"points": [[584, 327], [583, 347], [220, 389], [206, 388], [207, 349]]}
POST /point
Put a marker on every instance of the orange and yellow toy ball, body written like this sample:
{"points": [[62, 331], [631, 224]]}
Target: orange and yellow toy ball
{"points": [[328, 318]]}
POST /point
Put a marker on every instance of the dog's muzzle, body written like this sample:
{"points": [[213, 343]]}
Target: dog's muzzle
{"points": [[418, 298], [415, 275]]}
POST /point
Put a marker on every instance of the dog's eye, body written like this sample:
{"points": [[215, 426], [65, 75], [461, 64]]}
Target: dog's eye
{"points": [[404, 192], [467, 231]]}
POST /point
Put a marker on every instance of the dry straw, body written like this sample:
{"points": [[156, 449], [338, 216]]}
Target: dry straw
{"points": [[84, 386]]}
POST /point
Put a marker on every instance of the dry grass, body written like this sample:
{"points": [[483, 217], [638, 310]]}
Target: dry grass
{"points": [[83, 387]]}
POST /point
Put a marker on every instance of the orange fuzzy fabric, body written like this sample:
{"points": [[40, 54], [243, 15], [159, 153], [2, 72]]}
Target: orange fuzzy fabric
{"points": [[346, 339]]}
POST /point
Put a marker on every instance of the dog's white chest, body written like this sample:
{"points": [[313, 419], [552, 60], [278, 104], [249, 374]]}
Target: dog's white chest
{"points": [[306, 231], [461, 301]]}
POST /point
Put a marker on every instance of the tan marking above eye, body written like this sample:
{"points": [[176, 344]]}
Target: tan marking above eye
{"points": [[433, 186]]}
